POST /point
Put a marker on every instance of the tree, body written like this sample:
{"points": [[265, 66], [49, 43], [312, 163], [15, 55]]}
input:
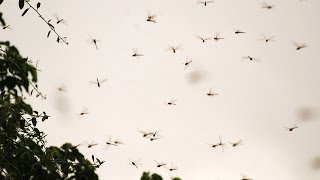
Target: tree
{"points": [[148, 176], [23, 150]]}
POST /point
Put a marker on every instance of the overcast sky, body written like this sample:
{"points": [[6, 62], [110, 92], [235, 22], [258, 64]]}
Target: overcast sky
{"points": [[256, 99]]}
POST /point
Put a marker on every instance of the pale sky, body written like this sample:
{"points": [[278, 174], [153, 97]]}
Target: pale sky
{"points": [[256, 99]]}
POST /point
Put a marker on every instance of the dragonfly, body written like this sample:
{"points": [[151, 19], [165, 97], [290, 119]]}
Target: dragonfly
{"points": [[238, 31], [220, 143], [210, 93], [204, 39], [83, 112], [172, 102], [217, 37], [244, 177], [235, 144], [267, 6], [161, 164], [94, 41], [98, 82], [291, 128], [172, 168], [146, 134], [60, 20], [62, 89], [110, 143], [117, 142], [174, 49], [267, 39], [251, 58], [299, 46], [6, 27], [136, 163], [151, 17], [91, 144], [205, 3], [187, 63], [136, 53]]}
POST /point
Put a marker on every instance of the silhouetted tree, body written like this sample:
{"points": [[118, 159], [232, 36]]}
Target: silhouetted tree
{"points": [[148, 176]]}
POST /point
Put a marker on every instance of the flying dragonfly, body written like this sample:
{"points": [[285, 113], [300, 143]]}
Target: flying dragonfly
{"points": [[267, 39], [110, 143], [238, 31], [244, 177], [174, 49], [136, 53], [172, 102], [210, 93], [94, 41], [151, 17], [291, 128], [118, 142], [267, 6], [172, 168], [91, 144], [235, 144], [299, 46], [98, 83], [60, 20], [135, 163], [62, 89], [83, 112], [251, 58], [161, 164], [217, 37], [6, 27], [220, 143], [187, 63], [146, 134], [204, 39], [205, 3]]}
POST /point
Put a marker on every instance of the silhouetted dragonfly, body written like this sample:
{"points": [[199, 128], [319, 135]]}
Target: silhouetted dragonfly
{"points": [[94, 41], [204, 39], [136, 53], [172, 168], [136, 163], [187, 63], [174, 49], [220, 143], [161, 164], [83, 112], [172, 102], [60, 20], [238, 31], [217, 37], [98, 83], [91, 144], [146, 134], [151, 17], [299, 46], [62, 89], [210, 93], [235, 144], [205, 3], [110, 143], [267, 39], [251, 58], [265, 5], [291, 128], [6, 27]]}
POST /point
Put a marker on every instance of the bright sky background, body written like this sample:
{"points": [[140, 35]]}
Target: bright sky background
{"points": [[256, 99]]}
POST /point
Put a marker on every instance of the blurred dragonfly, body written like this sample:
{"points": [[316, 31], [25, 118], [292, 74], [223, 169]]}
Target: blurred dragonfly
{"points": [[205, 3], [291, 128], [91, 144], [83, 112], [110, 143], [220, 143], [238, 31], [265, 5], [161, 164], [217, 37], [136, 53], [187, 63], [146, 134], [210, 93], [98, 83], [135, 163], [172, 168], [299, 46], [244, 177], [94, 41], [172, 102], [118, 142], [151, 17], [6, 27], [235, 144], [174, 49], [267, 39], [62, 89], [204, 39], [60, 20], [251, 58]]}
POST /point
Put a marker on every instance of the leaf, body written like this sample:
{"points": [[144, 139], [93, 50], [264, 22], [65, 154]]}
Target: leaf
{"points": [[38, 5], [1, 1], [21, 4], [92, 158], [37, 131], [22, 123], [25, 11], [34, 121], [48, 34]]}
